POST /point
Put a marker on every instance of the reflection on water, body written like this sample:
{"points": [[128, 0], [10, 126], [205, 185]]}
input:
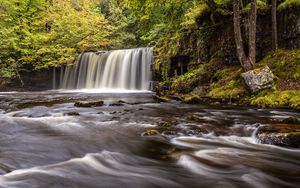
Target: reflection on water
{"points": [[41, 146]]}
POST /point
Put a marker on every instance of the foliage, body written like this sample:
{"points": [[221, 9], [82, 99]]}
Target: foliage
{"points": [[46, 33]]}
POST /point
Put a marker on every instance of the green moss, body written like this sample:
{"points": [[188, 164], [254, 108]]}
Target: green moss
{"points": [[287, 4], [193, 117], [289, 98], [187, 82], [285, 64], [228, 87], [193, 99], [150, 133]]}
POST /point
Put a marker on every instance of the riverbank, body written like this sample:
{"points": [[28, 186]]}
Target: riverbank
{"points": [[216, 84]]}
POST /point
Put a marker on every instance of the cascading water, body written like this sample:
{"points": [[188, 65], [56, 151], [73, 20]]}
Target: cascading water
{"points": [[119, 69]]}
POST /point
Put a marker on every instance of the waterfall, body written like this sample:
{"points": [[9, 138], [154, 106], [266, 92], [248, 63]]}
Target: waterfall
{"points": [[118, 69]]}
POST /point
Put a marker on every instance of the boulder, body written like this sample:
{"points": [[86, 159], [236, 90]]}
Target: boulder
{"points": [[280, 134], [87, 104], [259, 79]]}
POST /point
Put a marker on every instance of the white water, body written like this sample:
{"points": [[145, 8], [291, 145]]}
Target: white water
{"points": [[114, 70]]}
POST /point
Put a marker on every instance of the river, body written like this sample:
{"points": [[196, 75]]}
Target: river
{"points": [[42, 145]]}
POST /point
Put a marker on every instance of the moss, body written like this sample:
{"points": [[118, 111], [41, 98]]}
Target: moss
{"points": [[87, 104], [193, 117], [289, 98], [161, 98], [187, 82], [150, 133], [285, 64], [192, 99], [287, 4], [232, 89]]}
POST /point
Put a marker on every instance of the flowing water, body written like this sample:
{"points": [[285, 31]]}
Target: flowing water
{"points": [[43, 147], [119, 69]]}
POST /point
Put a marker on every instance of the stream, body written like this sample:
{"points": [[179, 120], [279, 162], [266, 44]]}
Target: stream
{"points": [[43, 145]]}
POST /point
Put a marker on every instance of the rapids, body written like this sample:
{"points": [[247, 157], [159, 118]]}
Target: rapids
{"points": [[41, 146]]}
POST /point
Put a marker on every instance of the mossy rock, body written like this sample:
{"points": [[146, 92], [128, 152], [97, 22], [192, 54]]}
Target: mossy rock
{"points": [[161, 98], [72, 114], [168, 123], [150, 133], [291, 120], [193, 99], [193, 117], [280, 134], [87, 104]]}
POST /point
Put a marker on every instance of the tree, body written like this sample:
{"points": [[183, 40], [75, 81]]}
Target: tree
{"points": [[247, 62], [274, 26]]}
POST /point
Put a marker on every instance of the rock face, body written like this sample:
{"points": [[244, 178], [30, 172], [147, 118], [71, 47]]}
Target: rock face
{"points": [[280, 134], [258, 80]]}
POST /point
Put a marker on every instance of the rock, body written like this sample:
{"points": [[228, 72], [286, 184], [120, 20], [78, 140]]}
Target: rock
{"points": [[193, 117], [161, 98], [87, 104], [291, 120], [280, 134], [194, 99], [72, 114], [168, 123], [116, 104], [258, 80], [150, 133]]}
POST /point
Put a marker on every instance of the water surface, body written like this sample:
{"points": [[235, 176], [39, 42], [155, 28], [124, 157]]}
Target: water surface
{"points": [[42, 146]]}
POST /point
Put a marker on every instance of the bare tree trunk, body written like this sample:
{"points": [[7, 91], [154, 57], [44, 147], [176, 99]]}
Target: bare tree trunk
{"points": [[243, 59], [252, 32], [274, 26]]}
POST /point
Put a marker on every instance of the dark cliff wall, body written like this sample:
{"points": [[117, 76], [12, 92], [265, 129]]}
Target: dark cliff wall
{"points": [[38, 80], [212, 42]]}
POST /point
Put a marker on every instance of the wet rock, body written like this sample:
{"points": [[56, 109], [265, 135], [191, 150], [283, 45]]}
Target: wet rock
{"points": [[161, 98], [116, 104], [291, 120], [280, 134], [150, 133], [194, 99], [100, 113], [168, 123], [193, 117], [170, 133], [72, 114], [87, 104], [258, 80]]}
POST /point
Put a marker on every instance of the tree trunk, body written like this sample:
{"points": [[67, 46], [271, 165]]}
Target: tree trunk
{"points": [[274, 26], [252, 32], [243, 59]]}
